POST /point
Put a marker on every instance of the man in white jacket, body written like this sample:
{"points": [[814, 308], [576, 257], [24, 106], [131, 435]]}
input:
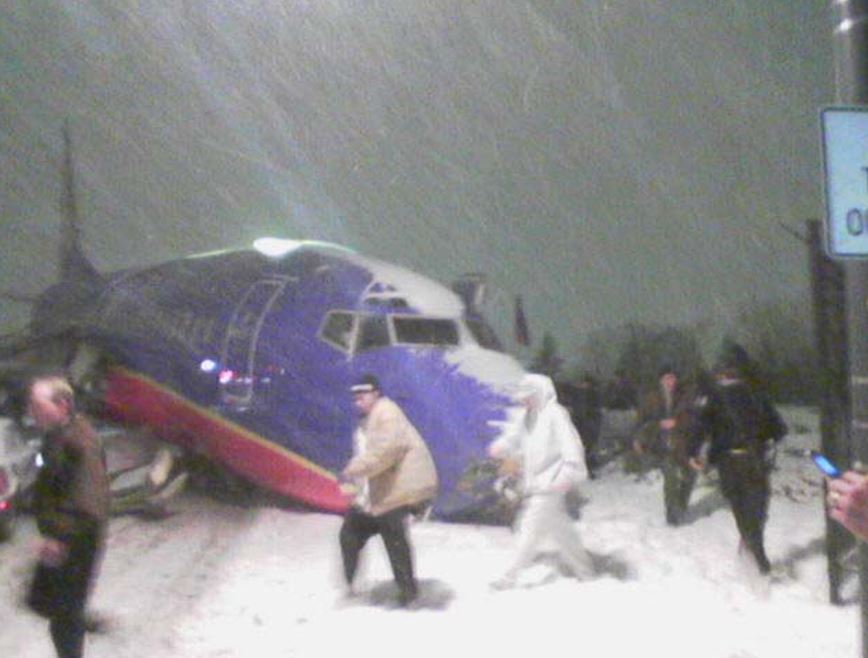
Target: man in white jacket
{"points": [[553, 463]]}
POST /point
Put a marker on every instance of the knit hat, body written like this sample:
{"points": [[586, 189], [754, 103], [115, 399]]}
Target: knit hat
{"points": [[366, 384], [732, 356], [666, 369]]}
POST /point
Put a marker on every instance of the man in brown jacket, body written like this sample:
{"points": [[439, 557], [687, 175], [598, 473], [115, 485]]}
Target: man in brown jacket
{"points": [[390, 476], [71, 503], [666, 419]]}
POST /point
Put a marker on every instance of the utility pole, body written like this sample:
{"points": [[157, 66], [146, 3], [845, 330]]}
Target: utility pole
{"points": [[830, 339], [851, 83]]}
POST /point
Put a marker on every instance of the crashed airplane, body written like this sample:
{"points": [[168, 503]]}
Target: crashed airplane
{"points": [[245, 357]]}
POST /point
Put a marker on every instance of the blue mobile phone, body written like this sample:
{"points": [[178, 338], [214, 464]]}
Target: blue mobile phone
{"points": [[825, 465]]}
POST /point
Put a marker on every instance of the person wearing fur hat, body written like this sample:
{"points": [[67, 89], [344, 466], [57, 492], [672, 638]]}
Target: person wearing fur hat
{"points": [[552, 464], [391, 476]]}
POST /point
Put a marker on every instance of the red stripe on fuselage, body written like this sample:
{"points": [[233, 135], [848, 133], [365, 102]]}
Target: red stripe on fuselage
{"points": [[138, 399]]}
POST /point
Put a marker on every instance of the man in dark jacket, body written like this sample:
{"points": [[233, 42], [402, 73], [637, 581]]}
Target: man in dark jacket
{"points": [[664, 423], [743, 428], [583, 402], [71, 503]]}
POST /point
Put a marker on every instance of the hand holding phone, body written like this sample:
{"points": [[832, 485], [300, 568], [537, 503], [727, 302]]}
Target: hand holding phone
{"points": [[825, 465], [847, 501]]}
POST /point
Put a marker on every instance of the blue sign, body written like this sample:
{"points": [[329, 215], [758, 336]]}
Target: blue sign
{"points": [[845, 162]]}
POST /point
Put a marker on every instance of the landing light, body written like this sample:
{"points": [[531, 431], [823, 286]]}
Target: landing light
{"points": [[207, 365]]}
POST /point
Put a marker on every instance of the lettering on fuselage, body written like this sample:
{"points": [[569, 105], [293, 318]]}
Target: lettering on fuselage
{"points": [[194, 331]]}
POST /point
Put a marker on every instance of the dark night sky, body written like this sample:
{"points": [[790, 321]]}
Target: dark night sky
{"points": [[611, 160]]}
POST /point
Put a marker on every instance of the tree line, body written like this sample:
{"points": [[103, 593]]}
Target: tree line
{"points": [[776, 335]]}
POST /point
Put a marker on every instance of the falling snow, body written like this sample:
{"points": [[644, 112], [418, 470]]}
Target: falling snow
{"points": [[613, 161]]}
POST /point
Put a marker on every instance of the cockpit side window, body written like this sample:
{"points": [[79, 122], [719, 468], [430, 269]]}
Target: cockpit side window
{"points": [[425, 331], [484, 335], [338, 329], [373, 333]]}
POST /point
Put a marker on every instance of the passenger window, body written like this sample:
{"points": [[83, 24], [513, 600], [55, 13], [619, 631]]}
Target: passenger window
{"points": [[373, 333], [338, 329], [425, 331]]}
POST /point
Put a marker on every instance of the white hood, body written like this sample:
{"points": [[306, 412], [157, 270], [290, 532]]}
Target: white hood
{"points": [[540, 387], [546, 440]]}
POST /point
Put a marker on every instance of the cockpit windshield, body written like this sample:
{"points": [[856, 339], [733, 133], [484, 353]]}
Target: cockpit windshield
{"points": [[484, 334], [373, 333], [425, 331], [353, 333]]}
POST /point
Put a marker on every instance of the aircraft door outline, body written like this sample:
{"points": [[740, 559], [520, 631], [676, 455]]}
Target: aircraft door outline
{"points": [[238, 352]]}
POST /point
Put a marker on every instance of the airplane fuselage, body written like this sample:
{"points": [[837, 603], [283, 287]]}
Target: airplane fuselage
{"points": [[248, 359]]}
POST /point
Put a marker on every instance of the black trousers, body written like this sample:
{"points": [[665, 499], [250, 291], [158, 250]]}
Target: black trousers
{"points": [[744, 479], [358, 527], [67, 634], [60, 593]]}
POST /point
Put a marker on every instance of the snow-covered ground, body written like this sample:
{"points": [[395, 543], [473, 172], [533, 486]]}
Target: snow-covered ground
{"points": [[216, 580]]}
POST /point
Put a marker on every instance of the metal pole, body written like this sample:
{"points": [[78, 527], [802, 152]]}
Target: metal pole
{"points": [[830, 338], [851, 82]]}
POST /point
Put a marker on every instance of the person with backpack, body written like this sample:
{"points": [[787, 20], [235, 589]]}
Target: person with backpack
{"points": [[743, 428], [552, 465]]}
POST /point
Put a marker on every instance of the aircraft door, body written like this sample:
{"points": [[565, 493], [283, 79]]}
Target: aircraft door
{"points": [[238, 379]]}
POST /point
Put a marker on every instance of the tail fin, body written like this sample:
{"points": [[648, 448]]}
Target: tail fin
{"points": [[74, 266], [68, 304], [73, 263]]}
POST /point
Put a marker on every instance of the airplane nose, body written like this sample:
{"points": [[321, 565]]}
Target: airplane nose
{"points": [[479, 411], [459, 401]]}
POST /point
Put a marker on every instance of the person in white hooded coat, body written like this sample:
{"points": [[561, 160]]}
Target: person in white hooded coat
{"points": [[553, 462]]}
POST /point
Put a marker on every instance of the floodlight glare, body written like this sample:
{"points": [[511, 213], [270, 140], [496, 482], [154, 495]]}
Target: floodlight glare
{"points": [[275, 247]]}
